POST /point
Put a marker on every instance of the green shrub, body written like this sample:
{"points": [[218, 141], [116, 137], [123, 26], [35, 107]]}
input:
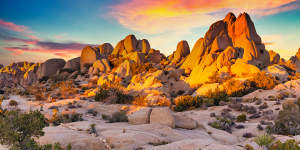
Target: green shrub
{"points": [[241, 118], [116, 117], [101, 95], [287, 123], [66, 118], [158, 143], [222, 123], [13, 103], [264, 140], [248, 147], [19, 130], [287, 145], [183, 103], [217, 97]]}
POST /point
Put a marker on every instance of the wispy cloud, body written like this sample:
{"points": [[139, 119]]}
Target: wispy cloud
{"points": [[13, 27], [157, 16]]}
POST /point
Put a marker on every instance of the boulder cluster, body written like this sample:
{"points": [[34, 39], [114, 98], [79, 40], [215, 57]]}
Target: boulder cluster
{"points": [[231, 48]]}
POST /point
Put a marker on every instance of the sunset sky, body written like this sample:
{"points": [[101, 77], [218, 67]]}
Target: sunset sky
{"points": [[35, 30]]}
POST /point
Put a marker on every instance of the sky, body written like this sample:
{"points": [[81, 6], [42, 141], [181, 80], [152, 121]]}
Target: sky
{"points": [[36, 30]]}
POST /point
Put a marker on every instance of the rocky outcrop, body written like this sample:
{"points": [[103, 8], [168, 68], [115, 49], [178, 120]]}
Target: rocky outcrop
{"points": [[277, 71], [274, 57], [88, 56], [226, 41], [143, 46], [105, 49], [101, 65], [294, 62], [181, 52], [137, 57], [50, 67], [73, 64]]}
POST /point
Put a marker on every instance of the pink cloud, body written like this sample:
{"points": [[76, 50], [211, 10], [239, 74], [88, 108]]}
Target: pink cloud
{"points": [[14, 27], [157, 16]]}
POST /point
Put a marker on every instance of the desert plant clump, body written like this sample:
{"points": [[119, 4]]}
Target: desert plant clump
{"points": [[18, 130], [287, 122], [109, 93], [263, 81], [248, 147], [241, 118], [158, 143], [119, 116], [217, 96], [13, 103], [183, 103], [287, 145], [222, 123], [66, 118], [264, 140]]}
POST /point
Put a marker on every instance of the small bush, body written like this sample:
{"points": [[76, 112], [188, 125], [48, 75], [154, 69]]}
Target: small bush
{"points": [[159, 143], [241, 118], [116, 117], [66, 118], [183, 103], [287, 145], [263, 81], [218, 96], [248, 147], [264, 140], [222, 123], [13, 103], [287, 123], [101, 95], [108, 90]]}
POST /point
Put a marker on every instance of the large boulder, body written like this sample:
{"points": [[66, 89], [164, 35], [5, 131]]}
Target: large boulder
{"points": [[181, 52], [73, 64], [294, 62], [182, 121], [162, 116], [105, 49], [50, 67], [65, 136], [88, 56], [141, 116], [130, 43], [143, 46], [278, 72], [242, 69]]}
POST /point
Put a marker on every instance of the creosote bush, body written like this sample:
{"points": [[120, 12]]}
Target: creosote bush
{"points": [[241, 118], [109, 93], [222, 123], [66, 118], [116, 117], [13, 103]]}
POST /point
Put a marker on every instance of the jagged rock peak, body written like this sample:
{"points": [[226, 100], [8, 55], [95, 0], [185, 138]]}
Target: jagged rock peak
{"points": [[230, 18]]}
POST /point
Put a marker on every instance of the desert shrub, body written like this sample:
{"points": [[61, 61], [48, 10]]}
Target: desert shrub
{"points": [[117, 95], [19, 130], [248, 147], [263, 81], [158, 143], [101, 95], [241, 118], [218, 96], [92, 129], [140, 68], [66, 118], [222, 123], [183, 103], [287, 145], [116, 117], [236, 88], [93, 112], [287, 122], [13, 103], [264, 140]]}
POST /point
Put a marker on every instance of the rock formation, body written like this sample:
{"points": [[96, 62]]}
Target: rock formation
{"points": [[181, 52], [274, 57], [73, 64], [225, 42], [50, 67], [294, 62]]}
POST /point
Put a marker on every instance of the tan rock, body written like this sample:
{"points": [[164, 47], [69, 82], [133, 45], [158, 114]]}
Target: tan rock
{"points": [[143, 46], [137, 57], [182, 51], [130, 43], [207, 88], [182, 121], [123, 69], [88, 56], [163, 116], [142, 116], [119, 48], [50, 67], [73, 64], [105, 49]]}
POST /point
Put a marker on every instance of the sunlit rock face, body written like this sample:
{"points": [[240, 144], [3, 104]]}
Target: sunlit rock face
{"points": [[226, 41], [182, 50], [294, 62]]}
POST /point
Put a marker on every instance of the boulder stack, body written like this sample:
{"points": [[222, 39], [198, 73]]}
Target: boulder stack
{"points": [[226, 41], [182, 50]]}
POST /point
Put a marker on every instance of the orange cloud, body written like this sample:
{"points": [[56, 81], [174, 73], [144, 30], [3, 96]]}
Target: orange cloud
{"points": [[157, 16]]}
